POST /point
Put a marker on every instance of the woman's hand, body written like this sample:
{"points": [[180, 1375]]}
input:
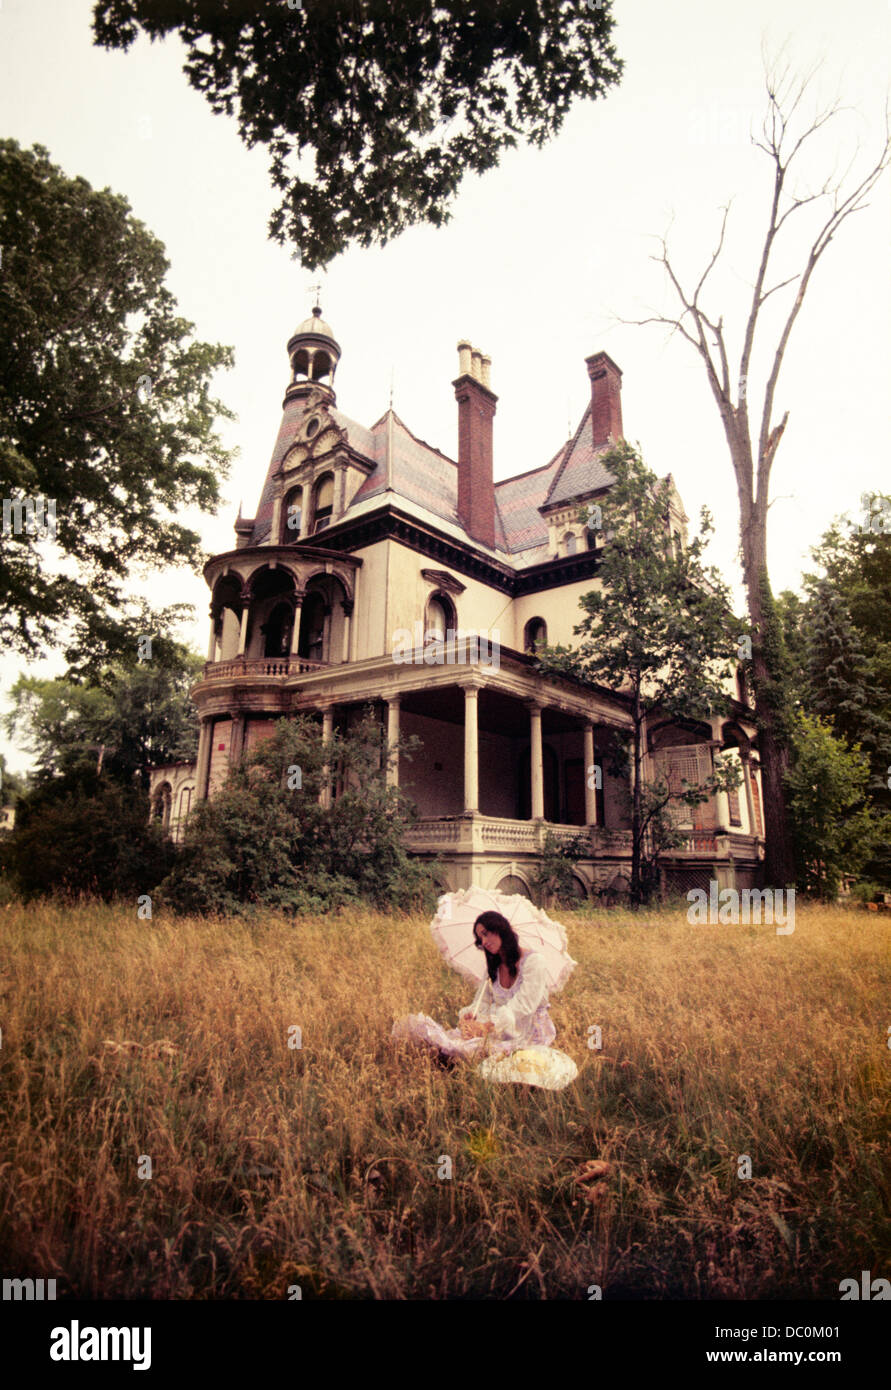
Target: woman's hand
{"points": [[474, 1028]]}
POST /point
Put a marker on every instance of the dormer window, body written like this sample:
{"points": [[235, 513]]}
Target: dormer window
{"points": [[323, 502], [570, 543]]}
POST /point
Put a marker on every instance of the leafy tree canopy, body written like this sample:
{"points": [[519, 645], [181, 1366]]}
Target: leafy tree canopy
{"points": [[105, 411], [659, 628], [373, 112], [83, 834], [839, 637], [130, 716], [834, 827], [12, 784]]}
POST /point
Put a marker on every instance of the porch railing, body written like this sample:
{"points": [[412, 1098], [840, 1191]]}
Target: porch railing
{"points": [[497, 832], [262, 666], [696, 842]]}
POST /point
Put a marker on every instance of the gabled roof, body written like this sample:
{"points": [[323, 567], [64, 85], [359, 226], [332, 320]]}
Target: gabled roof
{"points": [[423, 475], [581, 471]]}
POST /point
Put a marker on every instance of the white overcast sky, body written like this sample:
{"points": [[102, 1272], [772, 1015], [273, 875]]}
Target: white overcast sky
{"points": [[540, 261]]}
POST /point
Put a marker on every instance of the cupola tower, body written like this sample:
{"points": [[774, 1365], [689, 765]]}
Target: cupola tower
{"points": [[314, 354]]}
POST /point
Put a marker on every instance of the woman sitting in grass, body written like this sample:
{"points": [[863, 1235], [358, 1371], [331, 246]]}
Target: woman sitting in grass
{"points": [[509, 1011]]}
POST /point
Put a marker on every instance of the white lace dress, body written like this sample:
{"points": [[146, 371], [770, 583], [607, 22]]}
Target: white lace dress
{"points": [[522, 1025]]}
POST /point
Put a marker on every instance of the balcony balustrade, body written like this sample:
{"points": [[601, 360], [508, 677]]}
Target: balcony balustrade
{"points": [[262, 666]]}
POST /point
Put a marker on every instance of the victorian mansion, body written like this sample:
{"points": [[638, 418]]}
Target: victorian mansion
{"points": [[367, 545]]}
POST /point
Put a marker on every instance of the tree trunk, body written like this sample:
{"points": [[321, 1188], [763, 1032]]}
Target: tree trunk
{"points": [[767, 680]]}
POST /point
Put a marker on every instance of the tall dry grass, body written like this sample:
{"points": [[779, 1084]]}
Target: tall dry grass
{"points": [[318, 1166]]}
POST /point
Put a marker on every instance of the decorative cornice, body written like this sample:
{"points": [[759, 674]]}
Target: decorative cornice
{"points": [[388, 523], [282, 555]]}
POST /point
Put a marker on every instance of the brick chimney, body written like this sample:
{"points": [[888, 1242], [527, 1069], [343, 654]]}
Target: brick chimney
{"points": [[476, 411], [606, 398]]}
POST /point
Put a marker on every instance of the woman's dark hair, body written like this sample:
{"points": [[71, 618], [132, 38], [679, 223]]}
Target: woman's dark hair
{"points": [[510, 946]]}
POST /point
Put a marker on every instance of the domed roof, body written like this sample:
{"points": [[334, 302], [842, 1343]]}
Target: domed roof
{"points": [[317, 325]]}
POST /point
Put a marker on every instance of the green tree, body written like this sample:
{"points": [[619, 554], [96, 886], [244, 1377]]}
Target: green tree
{"points": [[12, 784], [266, 839], [553, 877], [840, 638], [659, 629], [834, 828], [793, 615], [105, 412], [373, 112], [131, 716], [83, 834]]}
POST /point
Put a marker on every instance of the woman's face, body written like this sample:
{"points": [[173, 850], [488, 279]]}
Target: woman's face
{"points": [[489, 940]]}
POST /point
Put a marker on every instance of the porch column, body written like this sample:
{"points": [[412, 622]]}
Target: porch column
{"points": [[535, 760], [212, 645], [471, 749], [327, 732], [392, 739], [722, 800], [590, 791], [236, 743], [747, 783], [295, 629], [326, 635], [242, 636], [201, 771], [347, 607]]}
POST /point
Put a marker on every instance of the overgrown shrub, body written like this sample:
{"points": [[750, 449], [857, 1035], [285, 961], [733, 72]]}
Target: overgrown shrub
{"points": [[84, 834], [266, 840]]}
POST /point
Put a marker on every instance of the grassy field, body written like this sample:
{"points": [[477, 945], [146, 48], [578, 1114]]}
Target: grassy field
{"points": [[318, 1166]]}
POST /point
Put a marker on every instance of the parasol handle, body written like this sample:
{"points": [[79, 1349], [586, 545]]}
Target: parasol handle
{"points": [[489, 985]]}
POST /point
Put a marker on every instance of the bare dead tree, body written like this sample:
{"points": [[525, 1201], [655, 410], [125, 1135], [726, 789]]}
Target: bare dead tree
{"points": [[752, 453]]}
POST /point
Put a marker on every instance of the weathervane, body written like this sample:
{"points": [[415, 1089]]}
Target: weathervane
{"points": [[315, 290]]}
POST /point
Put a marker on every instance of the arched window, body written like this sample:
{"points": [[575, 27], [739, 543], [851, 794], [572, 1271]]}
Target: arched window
{"points": [[163, 804], [570, 543], [535, 634], [321, 366], [512, 884], [292, 512], [278, 631], [185, 806], [440, 617], [323, 502], [312, 626]]}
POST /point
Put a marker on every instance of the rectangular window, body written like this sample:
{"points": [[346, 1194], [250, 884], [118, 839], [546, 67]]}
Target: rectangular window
{"points": [[690, 763], [756, 802]]}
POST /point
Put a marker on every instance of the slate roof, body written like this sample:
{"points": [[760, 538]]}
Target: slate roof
{"points": [[423, 475], [581, 470]]}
